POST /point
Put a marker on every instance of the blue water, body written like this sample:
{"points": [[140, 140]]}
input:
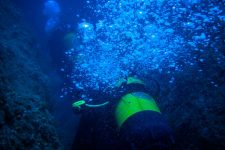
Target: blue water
{"points": [[143, 37], [168, 40], [116, 39]]}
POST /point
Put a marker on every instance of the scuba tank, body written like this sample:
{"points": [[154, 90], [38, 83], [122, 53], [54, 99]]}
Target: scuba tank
{"points": [[139, 119]]}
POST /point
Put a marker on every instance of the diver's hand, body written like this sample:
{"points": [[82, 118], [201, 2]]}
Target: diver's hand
{"points": [[78, 106]]}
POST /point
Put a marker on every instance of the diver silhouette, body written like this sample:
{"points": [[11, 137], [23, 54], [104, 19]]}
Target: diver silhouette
{"points": [[52, 12], [130, 119]]}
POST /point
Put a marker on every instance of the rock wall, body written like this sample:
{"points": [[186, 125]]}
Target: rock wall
{"points": [[25, 122], [194, 105], [195, 111]]}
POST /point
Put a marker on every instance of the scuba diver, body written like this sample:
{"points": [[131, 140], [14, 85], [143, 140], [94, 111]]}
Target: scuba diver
{"points": [[130, 119], [52, 11], [127, 119], [60, 37]]}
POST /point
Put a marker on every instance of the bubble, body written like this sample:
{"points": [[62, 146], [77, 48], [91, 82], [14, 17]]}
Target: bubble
{"points": [[140, 38]]}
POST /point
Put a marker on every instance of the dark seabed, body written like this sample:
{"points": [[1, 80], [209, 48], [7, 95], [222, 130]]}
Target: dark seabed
{"points": [[168, 55]]}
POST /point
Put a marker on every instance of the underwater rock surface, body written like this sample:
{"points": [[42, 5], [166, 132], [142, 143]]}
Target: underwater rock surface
{"points": [[195, 109], [25, 122]]}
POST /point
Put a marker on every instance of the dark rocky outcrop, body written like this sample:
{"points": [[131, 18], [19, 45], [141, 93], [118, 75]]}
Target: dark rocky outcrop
{"points": [[25, 122]]}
